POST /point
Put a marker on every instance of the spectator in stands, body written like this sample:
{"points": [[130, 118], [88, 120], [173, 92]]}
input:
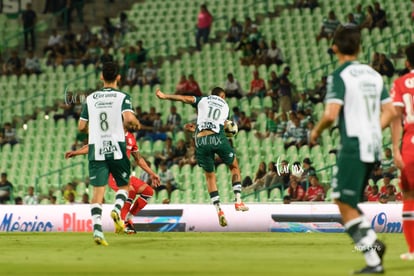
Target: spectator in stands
{"points": [[304, 104], [193, 87], [296, 135], [85, 37], [386, 181], [257, 86], [131, 78], [285, 91], [232, 87], [244, 122], [295, 191], [254, 37], [123, 26], [106, 56], [271, 127], [55, 40], [386, 68], [13, 65], [167, 180], [258, 180], [328, 27], [150, 74], [315, 191], [69, 192], [181, 87], [179, 153], [235, 31], [387, 163], [309, 128], [308, 171], [247, 26], [29, 19], [173, 120], [302, 4], [369, 18], [272, 179], [248, 55], [376, 173], [379, 16], [274, 54], [85, 198], [318, 94], [141, 52], [30, 198], [189, 157], [236, 115], [9, 135], [351, 20], [31, 64], [273, 89], [166, 154], [52, 200], [204, 23], [18, 200], [260, 56], [157, 133], [6, 189], [374, 194], [359, 15], [281, 124], [67, 107]]}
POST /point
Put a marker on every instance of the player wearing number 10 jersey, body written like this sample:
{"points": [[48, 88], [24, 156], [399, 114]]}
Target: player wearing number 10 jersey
{"points": [[212, 112], [402, 93]]}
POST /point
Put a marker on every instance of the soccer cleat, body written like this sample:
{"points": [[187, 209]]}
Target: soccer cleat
{"points": [[379, 246], [129, 227], [222, 219], [241, 207], [119, 224], [407, 256], [100, 241], [378, 269]]}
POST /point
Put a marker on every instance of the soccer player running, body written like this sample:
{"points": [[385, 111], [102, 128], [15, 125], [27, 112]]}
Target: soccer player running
{"points": [[402, 93], [136, 185], [212, 112], [356, 96], [104, 114]]}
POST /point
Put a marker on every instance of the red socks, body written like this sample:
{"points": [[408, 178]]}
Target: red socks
{"points": [[408, 223], [127, 204]]}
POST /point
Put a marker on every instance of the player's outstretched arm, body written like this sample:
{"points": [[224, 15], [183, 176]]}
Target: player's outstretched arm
{"points": [[155, 179], [82, 151], [181, 98]]}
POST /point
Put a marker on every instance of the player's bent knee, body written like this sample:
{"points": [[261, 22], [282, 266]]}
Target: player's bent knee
{"points": [[148, 191]]}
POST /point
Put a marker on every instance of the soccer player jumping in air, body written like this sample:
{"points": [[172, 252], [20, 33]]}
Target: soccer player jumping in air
{"points": [[402, 93], [212, 112], [356, 95], [136, 185]]}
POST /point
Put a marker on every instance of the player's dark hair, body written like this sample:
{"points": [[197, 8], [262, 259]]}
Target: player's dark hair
{"points": [[347, 39], [409, 52], [216, 91], [110, 71]]}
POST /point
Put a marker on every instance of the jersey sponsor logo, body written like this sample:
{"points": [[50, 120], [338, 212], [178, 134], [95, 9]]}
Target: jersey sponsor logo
{"points": [[107, 147], [104, 95], [103, 104], [356, 72], [208, 125], [409, 83]]}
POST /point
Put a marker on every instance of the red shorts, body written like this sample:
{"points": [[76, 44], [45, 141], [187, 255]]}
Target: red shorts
{"points": [[134, 183]]}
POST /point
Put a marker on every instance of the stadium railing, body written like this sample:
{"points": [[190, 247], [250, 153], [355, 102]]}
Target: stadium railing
{"points": [[59, 173]]}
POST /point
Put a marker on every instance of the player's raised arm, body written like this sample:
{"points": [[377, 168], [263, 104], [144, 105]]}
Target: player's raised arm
{"points": [[181, 98]]}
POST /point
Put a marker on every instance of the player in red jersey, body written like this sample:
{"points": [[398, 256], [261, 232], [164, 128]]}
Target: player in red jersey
{"points": [[402, 93], [136, 185]]}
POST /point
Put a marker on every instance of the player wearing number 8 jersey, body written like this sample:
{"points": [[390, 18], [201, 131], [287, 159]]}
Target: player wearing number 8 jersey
{"points": [[402, 93], [356, 95], [104, 115], [212, 112]]}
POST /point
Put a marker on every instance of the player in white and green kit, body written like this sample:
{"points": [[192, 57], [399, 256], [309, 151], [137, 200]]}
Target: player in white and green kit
{"points": [[103, 116], [212, 112], [356, 96]]}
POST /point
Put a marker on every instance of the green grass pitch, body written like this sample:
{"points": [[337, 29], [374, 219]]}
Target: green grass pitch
{"points": [[191, 254]]}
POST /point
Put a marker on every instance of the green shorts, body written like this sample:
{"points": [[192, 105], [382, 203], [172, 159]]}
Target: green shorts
{"points": [[209, 145], [350, 177], [99, 172]]}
